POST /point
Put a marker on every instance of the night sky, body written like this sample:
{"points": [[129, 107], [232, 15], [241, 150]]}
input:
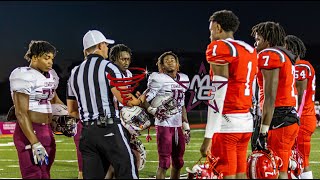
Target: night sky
{"points": [[143, 26]]}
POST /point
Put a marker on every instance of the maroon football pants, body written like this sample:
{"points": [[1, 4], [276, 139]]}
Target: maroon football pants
{"points": [[28, 168]]}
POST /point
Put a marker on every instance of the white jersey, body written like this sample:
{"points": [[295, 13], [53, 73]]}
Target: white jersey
{"points": [[160, 84], [39, 87]]}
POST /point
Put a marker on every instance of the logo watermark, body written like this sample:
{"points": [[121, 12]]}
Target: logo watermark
{"points": [[202, 89]]}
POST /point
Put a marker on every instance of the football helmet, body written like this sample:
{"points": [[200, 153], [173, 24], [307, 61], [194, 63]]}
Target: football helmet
{"points": [[62, 123], [166, 106], [136, 144], [11, 115], [263, 164], [205, 170], [296, 165], [134, 119]]}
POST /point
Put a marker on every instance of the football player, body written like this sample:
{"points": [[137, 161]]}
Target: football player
{"points": [[33, 91], [278, 93], [166, 93], [305, 80], [317, 111], [120, 55], [233, 66]]}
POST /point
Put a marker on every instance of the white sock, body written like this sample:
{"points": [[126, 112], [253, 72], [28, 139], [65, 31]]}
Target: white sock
{"points": [[306, 175]]}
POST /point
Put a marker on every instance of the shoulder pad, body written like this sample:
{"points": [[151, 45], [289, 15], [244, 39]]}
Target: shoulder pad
{"points": [[183, 77], [22, 80], [158, 77], [184, 80], [55, 78]]}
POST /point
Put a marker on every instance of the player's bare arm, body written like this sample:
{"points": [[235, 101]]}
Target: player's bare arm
{"points": [[184, 114], [271, 81], [301, 87], [205, 147], [21, 102], [73, 108]]}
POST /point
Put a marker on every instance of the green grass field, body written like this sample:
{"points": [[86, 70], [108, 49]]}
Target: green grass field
{"points": [[65, 165]]}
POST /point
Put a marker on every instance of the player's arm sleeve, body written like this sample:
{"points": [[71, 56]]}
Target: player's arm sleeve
{"points": [[153, 87], [21, 81], [221, 52], [270, 59]]}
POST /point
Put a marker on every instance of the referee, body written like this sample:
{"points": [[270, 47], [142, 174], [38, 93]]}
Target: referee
{"points": [[103, 140]]}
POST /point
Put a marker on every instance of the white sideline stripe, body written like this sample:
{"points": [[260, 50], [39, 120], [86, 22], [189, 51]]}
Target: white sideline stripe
{"points": [[192, 130], [16, 160], [7, 144], [71, 161], [63, 150], [13, 166], [187, 150], [139, 178]]}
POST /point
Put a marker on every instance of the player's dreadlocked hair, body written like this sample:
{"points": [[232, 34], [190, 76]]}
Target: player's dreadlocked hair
{"points": [[295, 45], [162, 56], [271, 32], [115, 51], [227, 20], [38, 48]]}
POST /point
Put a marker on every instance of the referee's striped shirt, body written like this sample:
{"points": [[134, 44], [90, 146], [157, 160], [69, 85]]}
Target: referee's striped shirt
{"points": [[88, 84]]}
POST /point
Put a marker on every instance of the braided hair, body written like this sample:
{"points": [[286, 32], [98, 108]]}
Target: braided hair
{"points": [[116, 50], [271, 32], [295, 45]]}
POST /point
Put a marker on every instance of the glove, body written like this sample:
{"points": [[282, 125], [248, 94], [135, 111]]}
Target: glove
{"points": [[11, 116], [187, 134], [262, 141], [39, 153]]}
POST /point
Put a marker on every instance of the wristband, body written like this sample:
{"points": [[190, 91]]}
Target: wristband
{"points": [[185, 126], [264, 129]]}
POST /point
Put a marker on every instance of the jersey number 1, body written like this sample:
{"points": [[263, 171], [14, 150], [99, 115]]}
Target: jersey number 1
{"points": [[247, 90]]}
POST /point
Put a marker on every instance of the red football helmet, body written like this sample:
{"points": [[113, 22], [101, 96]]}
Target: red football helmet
{"points": [[295, 164], [263, 164], [205, 170]]}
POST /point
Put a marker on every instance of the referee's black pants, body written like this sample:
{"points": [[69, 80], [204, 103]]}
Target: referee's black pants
{"points": [[102, 146]]}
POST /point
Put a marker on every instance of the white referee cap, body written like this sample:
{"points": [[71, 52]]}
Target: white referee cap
{"points": [[94, 37]]}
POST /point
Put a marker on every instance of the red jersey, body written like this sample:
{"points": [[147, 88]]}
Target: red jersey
{"points": [[243, 65], [304, 70], [272, 58]]}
